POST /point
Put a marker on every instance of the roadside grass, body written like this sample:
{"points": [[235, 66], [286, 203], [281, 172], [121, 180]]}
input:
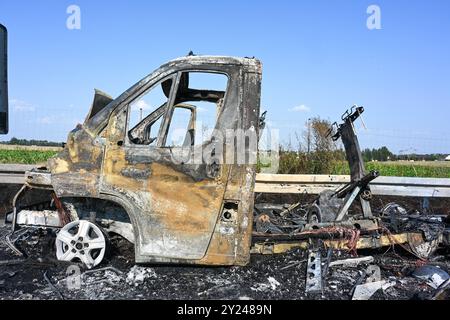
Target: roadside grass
{"points": [[405, 169], [299, 163], [25, 156]]}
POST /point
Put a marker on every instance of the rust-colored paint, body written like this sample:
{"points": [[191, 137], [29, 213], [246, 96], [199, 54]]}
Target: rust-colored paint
{"points": [[174, 194], [365, 242]]}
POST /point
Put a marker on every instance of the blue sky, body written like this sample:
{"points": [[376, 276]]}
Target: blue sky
{"points": [[318, 59]]}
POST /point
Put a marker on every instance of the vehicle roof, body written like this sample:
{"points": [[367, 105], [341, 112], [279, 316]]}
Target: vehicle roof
{"points": [[208, 59], [249, 64]]}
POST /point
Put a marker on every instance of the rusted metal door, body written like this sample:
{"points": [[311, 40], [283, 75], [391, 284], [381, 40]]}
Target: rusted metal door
{"points": [[176, 199]]}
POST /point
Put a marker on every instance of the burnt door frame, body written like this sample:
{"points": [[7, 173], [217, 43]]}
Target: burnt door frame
{"points": [[156, 185]]}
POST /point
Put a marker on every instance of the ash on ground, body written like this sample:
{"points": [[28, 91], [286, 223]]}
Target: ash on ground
{"points": [[282, 276]]}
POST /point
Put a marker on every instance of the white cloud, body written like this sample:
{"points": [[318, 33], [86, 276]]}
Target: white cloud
{"points": [[61, 120], [46, 120], [300, 108], [270, 123], [140, 104], [20, 105], [201, 109], [76, 122]]}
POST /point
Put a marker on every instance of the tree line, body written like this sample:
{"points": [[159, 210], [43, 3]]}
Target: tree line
{"points": [[384, 154], [26, 142]]}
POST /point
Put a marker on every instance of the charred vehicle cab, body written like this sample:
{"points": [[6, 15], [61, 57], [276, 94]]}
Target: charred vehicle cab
{"points": [[176, 199]]}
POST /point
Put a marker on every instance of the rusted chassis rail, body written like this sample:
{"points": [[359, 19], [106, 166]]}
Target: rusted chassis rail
{"points": [[339, 243]]}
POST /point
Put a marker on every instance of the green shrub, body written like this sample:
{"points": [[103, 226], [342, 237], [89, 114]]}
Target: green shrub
{"points": [[25, 156]]}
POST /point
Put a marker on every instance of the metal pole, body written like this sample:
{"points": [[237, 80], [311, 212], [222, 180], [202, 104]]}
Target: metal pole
{"points": [[309, 136]]}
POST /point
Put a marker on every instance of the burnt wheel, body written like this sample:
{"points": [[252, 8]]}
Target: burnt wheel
{"points": [[81, 240]]}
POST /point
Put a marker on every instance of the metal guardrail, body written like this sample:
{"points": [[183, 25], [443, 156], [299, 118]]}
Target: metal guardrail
{"points": [[386, 186], [301, 183], [14, 173]]}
